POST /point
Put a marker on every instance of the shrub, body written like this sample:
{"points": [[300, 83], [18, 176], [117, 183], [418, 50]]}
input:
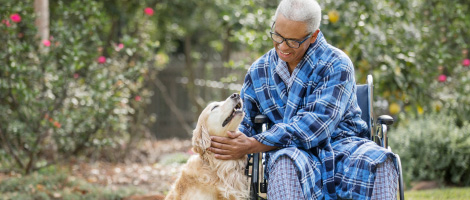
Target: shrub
{"points": [[78, 90], [433, 147]]}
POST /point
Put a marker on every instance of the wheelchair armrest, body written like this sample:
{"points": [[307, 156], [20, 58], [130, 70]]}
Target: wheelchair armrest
{"points": [[261, 119], [385, 119]]}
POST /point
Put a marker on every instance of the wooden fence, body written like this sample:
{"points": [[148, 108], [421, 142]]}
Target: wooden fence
{"points": [[208, 87]]}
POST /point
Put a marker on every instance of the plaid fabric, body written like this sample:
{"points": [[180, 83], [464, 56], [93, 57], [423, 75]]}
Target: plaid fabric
{"points": [[283, 70], [309, 175], [386, 182], [320, 110], [284, 181]]}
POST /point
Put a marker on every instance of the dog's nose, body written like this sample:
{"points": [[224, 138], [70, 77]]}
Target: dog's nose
{"points": [[235, 96]]}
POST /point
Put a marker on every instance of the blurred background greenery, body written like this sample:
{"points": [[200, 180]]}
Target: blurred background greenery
{"points": [[105, 75]]}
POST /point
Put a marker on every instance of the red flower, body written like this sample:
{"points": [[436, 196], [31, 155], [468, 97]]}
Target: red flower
{"points": [[46, 43], [6, 22], [442, 78], [148, 11], [466, 62], [57, 124], [75, 76], [15, 18], [101, 59], [137, 98]]}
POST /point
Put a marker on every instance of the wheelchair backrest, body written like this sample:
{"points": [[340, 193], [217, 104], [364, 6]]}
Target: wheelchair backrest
{"points": [[365, 100]]}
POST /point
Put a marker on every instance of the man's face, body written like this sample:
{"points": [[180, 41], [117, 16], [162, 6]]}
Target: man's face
{"points": [[292, 30]]}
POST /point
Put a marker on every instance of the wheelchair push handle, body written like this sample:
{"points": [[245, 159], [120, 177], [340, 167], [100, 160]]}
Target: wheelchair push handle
{"points": [[385, 119], [261, 119]]}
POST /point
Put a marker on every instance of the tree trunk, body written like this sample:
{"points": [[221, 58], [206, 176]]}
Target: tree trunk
{"points": [[226, 58], [41, 9]]}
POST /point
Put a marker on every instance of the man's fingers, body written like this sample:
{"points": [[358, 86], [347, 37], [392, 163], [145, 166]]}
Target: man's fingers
{"points": [[223, 157], [218, 139], [218, 151], [219, 145]]}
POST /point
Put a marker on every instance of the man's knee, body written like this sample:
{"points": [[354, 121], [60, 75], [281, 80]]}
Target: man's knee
{"points": [[284, 180], [283, 162]]}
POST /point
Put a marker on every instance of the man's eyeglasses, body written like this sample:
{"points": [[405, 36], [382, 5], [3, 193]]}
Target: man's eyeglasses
{"points": [[290, 42]]}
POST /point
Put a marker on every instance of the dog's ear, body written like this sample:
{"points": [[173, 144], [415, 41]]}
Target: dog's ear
{"points": [[201, 140]]}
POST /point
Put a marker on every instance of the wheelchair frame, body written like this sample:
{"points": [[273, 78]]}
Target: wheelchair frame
{"points": [[364, 93]]}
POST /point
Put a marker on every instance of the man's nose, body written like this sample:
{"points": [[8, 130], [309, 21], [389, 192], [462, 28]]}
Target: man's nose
{"points": [[283, 46]]}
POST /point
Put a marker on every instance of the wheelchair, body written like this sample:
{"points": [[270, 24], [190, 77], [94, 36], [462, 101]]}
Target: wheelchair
{"points": [[378, 134]]}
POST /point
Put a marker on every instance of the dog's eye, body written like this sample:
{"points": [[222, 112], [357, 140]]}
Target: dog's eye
{"points": [[214, 108]]}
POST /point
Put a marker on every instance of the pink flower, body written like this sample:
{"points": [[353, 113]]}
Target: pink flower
{"points": [[137, 98], [6, 22], [466, 62], [119, 47], [101, 59], [442, 78], [15, 18], [46, 43], [75, 76], [148, 11]]}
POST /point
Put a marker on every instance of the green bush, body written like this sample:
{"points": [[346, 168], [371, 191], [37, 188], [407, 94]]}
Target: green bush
{"points": [[406, 45], [81, 89], [433, 147]]}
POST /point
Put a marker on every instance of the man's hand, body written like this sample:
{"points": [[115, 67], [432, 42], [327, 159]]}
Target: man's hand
{"points": [[235, 146]]}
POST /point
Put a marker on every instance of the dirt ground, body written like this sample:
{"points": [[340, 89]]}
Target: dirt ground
{"points": [[152, 169]]}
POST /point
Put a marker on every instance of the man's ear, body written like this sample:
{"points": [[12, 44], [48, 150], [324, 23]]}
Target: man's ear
{"points": [[201, 140], [314, 36]]}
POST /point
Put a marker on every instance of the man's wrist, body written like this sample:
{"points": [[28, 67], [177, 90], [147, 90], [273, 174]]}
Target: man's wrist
{"points": [[256, 146]]}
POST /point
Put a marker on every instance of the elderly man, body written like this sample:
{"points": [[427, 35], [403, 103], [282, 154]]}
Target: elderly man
{"points": [[306, 87]]}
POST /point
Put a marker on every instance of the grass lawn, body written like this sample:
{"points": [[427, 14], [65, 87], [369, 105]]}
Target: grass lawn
{"points": [[58, 184], [445, 193]]}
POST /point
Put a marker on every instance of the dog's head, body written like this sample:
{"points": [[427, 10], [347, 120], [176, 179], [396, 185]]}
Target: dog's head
{"points": [[216, 119]]}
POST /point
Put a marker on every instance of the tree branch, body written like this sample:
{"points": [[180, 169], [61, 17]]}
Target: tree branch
{"points": [[11, 150], [171, 104]]}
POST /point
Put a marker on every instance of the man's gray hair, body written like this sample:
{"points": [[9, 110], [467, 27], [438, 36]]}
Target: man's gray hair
{"points": [[307, 11]]}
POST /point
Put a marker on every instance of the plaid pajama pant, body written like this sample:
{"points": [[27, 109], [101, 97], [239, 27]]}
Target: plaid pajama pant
{"points": [[284, 183]]}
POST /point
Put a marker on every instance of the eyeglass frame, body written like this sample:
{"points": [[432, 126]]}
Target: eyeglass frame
{"points": [[285, 39]]}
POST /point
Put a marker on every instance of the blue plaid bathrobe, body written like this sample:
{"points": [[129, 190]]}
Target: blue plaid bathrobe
{"points": [[318, 111]]}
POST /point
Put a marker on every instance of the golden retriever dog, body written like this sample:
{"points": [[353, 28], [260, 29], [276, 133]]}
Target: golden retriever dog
{"points": [[204, 177]]}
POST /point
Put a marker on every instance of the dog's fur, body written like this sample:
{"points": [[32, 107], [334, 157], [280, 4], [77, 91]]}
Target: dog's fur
{"points": [[203, 176]]}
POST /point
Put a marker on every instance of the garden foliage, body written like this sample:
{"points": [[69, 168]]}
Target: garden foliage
{"points": [[81, 89], [433, 148], [85, 87]]}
